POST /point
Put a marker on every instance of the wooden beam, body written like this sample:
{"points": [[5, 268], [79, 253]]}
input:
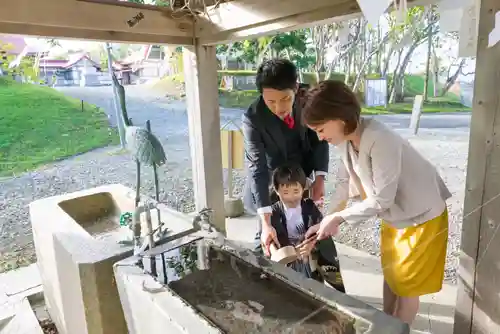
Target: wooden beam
{"points": [[243, 19], [93, 16], [200, 75], [478, 302], [89, 34]]}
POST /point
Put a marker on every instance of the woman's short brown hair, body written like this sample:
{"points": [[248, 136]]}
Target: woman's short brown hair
{"points": [[332, 100]]}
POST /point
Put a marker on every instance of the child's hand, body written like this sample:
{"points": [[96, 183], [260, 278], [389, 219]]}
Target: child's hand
{"points": [[267, 237], [305, 249]]}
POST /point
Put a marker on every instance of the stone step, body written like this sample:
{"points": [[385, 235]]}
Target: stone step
{"points": [[21, 320], [17, 288]]}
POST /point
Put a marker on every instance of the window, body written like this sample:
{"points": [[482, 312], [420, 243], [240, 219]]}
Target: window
{"points": [[68, 75], [156, 52]]}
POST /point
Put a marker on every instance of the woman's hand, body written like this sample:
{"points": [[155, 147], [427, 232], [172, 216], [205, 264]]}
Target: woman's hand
{"points": [[328, 227], [312, 230]]}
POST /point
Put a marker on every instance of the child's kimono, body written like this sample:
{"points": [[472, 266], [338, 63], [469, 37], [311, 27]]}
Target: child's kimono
{"points": [[323, 264]]}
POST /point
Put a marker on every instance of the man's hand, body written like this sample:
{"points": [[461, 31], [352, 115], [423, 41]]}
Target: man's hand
{"points": [[268, 235], [318, 190]]}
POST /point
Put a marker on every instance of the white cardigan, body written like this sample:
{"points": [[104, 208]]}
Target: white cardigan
{"points": [[401, 186]]}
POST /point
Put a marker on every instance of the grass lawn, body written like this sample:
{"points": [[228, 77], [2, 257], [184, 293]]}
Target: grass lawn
{"points": [[243, 99], [39, 125], [434, 105]]}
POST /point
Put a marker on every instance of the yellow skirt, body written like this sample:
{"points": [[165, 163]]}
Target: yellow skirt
{"points": [[413, 258]]}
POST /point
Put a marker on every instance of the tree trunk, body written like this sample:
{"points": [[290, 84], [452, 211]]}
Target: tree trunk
{"points": [[435, 72], [395, 78], [119, 119], [378, 61], [347, 52], [348, 69], [451, 80], [428, 65], [387, 61], [400, 76], [367, 60]]}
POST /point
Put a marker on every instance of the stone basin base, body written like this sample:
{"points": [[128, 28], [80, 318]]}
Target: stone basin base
{"points": [[199, 287], [76, 240]]}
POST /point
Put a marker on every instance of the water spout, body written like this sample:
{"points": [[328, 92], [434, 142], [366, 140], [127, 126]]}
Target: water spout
{"points": [[136, 227]]}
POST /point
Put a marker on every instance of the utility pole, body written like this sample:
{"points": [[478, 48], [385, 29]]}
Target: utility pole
{"points": [[116, 101]]}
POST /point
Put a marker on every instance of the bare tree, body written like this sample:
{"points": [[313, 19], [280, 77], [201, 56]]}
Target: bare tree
{"points": [[345, 50], [453, 78], [322, 37]]}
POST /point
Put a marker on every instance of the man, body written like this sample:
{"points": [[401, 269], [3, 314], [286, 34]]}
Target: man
{"points": [[274, 136]]}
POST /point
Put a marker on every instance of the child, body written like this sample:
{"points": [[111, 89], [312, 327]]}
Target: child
{"points": [[292, 215]]}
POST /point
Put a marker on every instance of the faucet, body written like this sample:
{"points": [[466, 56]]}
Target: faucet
{"points": [[202, 223], [136, 226], [202, 220]]}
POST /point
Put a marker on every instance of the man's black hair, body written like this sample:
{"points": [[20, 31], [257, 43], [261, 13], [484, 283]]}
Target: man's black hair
{"points": [[288, 175], [279, 74]]}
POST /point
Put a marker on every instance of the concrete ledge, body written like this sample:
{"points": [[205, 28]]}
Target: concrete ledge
{"points": [[160, 311]]}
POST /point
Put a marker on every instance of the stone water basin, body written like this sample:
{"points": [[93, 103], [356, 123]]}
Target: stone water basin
{"points": [[76, 240], [203, 288], [99, 215]]}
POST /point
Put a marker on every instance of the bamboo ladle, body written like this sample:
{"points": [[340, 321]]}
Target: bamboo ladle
{"points": [[288, 254], [283, 255]]}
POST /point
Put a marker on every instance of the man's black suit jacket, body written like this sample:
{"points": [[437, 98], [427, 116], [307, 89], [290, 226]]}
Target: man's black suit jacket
{"points": [[265, 149]]}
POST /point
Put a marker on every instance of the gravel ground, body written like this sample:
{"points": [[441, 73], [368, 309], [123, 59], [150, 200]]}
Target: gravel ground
{"points": [[443, 140]]}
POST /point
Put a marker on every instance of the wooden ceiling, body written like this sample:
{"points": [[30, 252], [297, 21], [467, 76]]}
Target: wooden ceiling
{"points": [[118, 20]]}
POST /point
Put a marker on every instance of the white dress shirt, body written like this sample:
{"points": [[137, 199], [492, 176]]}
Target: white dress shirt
{"points": [[294, 223]]}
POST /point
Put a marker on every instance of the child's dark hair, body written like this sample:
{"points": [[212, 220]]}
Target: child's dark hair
{"points": [[288, 175], [279, 74]]}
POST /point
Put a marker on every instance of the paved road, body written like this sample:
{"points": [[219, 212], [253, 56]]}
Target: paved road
{"points": [[169, 118]]}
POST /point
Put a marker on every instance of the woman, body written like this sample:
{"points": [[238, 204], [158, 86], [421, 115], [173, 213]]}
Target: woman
{"points": [[395, 184]]}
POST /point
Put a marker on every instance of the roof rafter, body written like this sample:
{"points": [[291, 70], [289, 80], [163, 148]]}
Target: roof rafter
{"points": [[98, 21]]}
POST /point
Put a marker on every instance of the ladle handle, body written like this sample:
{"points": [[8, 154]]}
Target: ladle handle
{"points": [[308, 240]]}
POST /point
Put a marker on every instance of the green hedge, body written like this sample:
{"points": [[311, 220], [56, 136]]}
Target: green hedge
{"points": [[238, 73], [309, 77]]}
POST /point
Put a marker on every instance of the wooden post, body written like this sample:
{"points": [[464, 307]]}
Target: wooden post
{"points": [[202, 96], [416, 113], [230, 164], [478, 301]]}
